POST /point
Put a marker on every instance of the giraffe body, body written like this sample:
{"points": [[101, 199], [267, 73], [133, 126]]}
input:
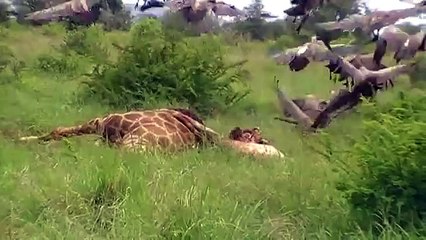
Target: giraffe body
{"points": [[167, 129]]}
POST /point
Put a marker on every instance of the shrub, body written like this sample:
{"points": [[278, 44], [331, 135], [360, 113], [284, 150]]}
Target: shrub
{"points": [[417, 76], [158, 66], [67, 64], [4, 32], [118, 21], [53, 29], [3, 12], [286, 41], [232, 38], [10, 66], [384, 176], [88, 42], [6, 57]]}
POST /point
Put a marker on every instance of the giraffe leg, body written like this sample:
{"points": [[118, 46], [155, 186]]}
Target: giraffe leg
{"points": [[61, 132]]}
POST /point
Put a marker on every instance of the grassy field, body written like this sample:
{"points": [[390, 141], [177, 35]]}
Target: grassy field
{"points": [[74, 189]]}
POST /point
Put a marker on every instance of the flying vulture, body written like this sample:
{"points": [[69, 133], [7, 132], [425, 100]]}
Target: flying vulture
{"points": [[298, 58]]}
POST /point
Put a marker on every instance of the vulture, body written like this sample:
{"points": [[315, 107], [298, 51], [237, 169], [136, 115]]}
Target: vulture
{"points": [[196, 10], [360, 74], [354, 21], [149, 4], [365, 60], [402, 44], [310, 105], [374, 21], [304, 9], [307, 111], [87, 12], [298, 58], [341, 102], [267, 15]]}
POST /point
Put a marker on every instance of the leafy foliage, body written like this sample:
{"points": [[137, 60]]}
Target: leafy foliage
{"points": [[10, 66], [254, 10], [417, 77], [255, 25], [158, 66], [67, 64], [3, 12], [119, 20], [174, 21], [287, 41], [53, 29], [87, 42], [388, 181], [259, 29], [7, 57]]}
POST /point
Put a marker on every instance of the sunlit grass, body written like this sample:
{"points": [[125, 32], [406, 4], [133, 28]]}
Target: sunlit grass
{"points": [[73, 189]]}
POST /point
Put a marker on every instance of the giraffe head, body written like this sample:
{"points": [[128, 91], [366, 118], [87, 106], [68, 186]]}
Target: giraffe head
{"points": [[247, 135], [250, 141]]}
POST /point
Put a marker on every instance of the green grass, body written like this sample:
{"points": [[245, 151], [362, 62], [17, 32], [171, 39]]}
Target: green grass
{"points": [[74, 189]]}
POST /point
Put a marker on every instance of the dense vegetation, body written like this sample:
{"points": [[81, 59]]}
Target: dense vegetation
{"points": [[362, 178]]}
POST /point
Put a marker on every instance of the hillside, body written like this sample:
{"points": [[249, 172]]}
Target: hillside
{"points": [[76, 189]]}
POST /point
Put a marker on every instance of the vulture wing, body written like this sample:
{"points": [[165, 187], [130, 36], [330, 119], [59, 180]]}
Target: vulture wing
{"points": [[61, 10], [390, 72], [176, 5], [346, 50], [347, 24], [224, 9], [350, 69], [285, 57]]}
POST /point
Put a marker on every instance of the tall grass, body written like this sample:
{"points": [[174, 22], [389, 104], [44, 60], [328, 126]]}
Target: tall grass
{"points": [[74, 189]]}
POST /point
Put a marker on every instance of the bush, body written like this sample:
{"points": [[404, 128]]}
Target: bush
{"points": [[4, 32], [158, 66], [6, 57], [88, 42], [4, 17], [286, 41], [64, 64], [385, 171], [417, 76], [118, 21], [10, 66], [174, 21], [53, 29]]}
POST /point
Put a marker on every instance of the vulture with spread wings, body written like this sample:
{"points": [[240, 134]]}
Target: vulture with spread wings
{"points": [[357, 61], [298, 58], [366, 81], [86, 10], [380, 77], [374, 21], [304, 9], [195, 11]]}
